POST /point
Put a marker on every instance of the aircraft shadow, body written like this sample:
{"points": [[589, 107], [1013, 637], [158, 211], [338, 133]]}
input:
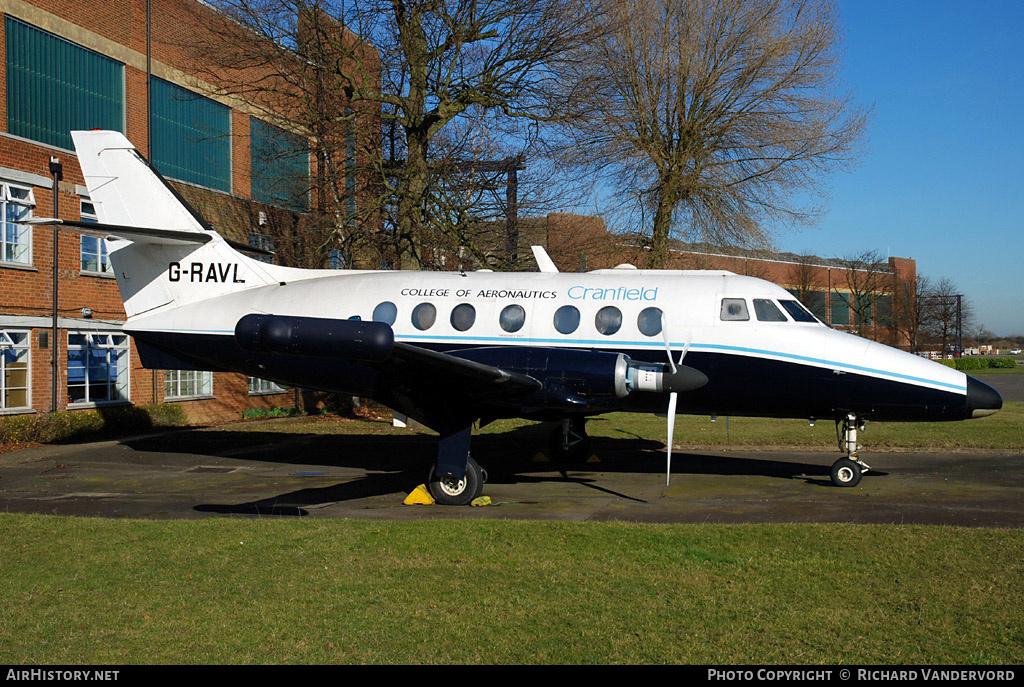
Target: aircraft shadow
{"points": [[395, 463]]}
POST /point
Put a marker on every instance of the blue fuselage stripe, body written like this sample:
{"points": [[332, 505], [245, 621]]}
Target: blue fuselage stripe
{"points": [[613, 344]]}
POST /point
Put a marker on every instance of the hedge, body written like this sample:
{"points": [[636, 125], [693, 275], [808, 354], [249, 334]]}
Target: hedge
{"points": [[972, 363], [88, 425]]}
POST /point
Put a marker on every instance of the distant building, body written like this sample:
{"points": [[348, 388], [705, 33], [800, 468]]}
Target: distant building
{"points": [[846, 295], [86, 65]]}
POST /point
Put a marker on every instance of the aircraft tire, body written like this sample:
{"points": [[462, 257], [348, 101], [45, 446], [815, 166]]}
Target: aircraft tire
{"points": [[450, 493], [846, 473]]}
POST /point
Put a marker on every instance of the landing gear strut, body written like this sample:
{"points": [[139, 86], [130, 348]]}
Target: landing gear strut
{"points": [[455, 479], [569, 440], [847, 471]]}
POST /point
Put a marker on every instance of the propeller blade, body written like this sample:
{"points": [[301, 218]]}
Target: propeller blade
{"points": [[671, 432], [668, 345]]}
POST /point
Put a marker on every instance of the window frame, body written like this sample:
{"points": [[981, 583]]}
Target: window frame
{"points": [[264, 387], [7, 343], [766, 310], [124, 358], [202, 379], [722, 310], [21, 230], [102, 259]]}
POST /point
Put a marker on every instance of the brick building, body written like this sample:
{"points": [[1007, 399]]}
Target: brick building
{"points": [[85, 65]]}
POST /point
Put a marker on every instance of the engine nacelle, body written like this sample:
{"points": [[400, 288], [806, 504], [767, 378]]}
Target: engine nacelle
{"points": [[659, 377], [315, 336]]}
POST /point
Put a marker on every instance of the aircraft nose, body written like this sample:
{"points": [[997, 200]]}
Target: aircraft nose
{"points": [[982, 399]]}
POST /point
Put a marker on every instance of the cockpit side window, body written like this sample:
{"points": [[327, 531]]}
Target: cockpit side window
{"points": [[734, 310], [767, 311], [798, 312]]}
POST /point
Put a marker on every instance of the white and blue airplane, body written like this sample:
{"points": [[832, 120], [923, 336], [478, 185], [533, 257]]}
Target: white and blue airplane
{"points": [[450, 349]]}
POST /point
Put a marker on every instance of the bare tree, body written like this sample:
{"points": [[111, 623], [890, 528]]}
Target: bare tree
{"points": [[805, 278], [949, 313], [716, 116], [912, 307], [865, 276], [440, 75]]}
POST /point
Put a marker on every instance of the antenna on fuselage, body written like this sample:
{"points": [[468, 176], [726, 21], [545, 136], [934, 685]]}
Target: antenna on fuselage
{"points": [[544, 262]]}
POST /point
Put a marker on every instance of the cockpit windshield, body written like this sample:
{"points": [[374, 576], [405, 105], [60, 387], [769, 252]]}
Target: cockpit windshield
{"points": [[797, 311]]}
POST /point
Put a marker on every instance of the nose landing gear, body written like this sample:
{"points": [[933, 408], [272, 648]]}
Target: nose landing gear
{"points": [[848, 470], [569, 441]]}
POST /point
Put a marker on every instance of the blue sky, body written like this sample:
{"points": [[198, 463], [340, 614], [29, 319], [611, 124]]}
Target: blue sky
{"points": [[942, 181]]}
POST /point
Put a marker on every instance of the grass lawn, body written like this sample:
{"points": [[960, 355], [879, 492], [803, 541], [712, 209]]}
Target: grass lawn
{"points": [[83, 591], [240, 590]]}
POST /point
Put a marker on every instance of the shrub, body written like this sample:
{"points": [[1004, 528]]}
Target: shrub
{"points": [[276, 411], [88, 425]]}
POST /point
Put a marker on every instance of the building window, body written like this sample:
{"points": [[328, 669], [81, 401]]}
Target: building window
{"points": [[182, 384], [97, 368], [15, 238], [840, 309], [55, 87], [280, 166], [350, 167], [264, 386], [14, 369], [87, 211], [191, 136], [94, 255], [263, 242], [336, 259]]}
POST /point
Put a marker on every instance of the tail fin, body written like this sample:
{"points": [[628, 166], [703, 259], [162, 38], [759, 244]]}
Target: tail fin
{"points": [[152, 271]]}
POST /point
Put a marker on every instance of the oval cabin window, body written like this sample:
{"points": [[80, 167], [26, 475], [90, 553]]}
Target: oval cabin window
{"points": [[649, 321], [567, 319], [463, 316], [512, 318], [608, 320], [385, 312], [423, 316]]}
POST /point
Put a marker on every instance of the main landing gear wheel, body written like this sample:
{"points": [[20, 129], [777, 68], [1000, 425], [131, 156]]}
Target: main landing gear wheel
{"points": [[569, 441], [846, 473], [449, 491]]}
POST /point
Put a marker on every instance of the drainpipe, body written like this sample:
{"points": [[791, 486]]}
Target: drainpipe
{"points": [[57, 170]]}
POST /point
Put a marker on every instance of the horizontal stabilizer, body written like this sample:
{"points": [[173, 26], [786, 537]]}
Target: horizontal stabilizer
{"points": [[137, 234], [143, 234]]}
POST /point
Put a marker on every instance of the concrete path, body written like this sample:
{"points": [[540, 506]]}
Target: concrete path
{"points": [[244, 473]]}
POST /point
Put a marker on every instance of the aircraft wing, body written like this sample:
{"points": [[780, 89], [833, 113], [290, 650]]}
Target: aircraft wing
{"points": [[480, 375], [443, 390]]}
